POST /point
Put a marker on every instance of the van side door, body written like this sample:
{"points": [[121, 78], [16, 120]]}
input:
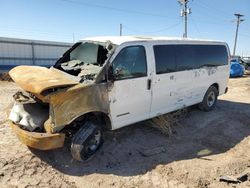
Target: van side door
{"points": [[172, 80], [130, 92], [165, 82]]}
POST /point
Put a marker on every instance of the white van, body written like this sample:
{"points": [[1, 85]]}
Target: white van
{"points": [[111, 82]]}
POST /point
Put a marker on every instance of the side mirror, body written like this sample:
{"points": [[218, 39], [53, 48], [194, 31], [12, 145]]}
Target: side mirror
{"points": [[111, 76]]}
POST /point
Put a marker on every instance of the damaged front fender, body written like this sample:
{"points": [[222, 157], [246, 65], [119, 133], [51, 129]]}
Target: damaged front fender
{"points": [[67, 106]]}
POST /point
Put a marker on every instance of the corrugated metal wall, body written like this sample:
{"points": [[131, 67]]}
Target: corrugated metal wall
{"points": [[15, 52]]}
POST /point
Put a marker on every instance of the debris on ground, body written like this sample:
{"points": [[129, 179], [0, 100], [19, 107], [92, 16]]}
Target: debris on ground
{"points": [[229, 179], [245, 176], [152, 151]]}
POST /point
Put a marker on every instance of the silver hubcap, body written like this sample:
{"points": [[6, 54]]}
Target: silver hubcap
{"points": [[211, 99], [95, 141]]}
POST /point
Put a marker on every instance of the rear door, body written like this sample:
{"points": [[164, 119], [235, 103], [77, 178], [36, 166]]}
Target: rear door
{"points": [[130, 94]]}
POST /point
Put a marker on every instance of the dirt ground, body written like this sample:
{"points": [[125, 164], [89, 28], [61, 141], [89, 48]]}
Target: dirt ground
{"points": [[205, 146]]}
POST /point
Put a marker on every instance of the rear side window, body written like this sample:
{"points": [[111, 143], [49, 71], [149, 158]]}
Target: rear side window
{"points": [[197, 56], [165, 58], [171, 58]]}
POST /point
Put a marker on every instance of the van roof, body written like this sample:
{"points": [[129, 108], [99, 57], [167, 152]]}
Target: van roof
{"points": [[122, 39]]}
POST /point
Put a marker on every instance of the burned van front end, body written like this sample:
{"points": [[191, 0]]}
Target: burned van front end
{"points": [[31, 114], [55, 99]]}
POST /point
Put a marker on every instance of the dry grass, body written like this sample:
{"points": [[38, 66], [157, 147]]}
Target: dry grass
{"points": [[166, 122]]}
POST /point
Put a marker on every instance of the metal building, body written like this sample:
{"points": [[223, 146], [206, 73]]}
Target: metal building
{"points": [[15, 52]]}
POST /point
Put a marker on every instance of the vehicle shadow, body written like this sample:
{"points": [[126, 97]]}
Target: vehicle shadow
{"points": [[198, 135]]}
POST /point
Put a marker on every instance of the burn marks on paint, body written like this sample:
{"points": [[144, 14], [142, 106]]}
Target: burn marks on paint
{"points": [[205, 71], [211, 70]]}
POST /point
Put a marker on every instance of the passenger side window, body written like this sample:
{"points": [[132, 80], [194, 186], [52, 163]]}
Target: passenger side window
{"points": [[211, 55], [130, 63], [186, 57], [164, 58]]}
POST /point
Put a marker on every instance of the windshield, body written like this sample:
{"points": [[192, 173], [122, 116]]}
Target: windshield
{"points": [[85, 52], [83, 60]]}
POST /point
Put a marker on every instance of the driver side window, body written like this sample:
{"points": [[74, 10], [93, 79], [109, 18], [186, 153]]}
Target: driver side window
{"points": [[130, 63]]}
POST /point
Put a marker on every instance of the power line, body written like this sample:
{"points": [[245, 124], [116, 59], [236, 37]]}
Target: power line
{"points": [[33, 31], [213, 8], [244, 35], [212, 22], [195, 26], [216, 10], [211, 16], [117, 9], [152, 32], [27, 33]]}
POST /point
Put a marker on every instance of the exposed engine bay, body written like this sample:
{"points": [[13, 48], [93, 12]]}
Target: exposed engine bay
{"points": [[87, 72], [29, 113]]}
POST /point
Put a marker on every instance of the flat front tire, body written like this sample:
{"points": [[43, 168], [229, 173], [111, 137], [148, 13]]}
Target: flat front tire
{"points": [[86, 141], [210, 99]]}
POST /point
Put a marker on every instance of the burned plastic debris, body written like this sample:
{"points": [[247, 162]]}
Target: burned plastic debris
{"points": [[245, 176]]}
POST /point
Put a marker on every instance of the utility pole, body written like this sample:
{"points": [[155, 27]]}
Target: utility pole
{"points": [[238, 16], [185, 10], [120, 29]]}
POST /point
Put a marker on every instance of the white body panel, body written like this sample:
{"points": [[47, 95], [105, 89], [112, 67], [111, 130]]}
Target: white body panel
{"points": [[130, 106], [131, 101]]}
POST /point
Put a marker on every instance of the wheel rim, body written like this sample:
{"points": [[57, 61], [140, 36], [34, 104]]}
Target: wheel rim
{"points": [[211, 99], [94, 142]]}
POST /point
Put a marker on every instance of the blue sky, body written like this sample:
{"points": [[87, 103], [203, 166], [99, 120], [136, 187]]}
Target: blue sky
{"points": [[68, 20]]}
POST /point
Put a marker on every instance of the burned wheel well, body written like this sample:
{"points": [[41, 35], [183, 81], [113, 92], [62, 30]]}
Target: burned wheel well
{"points": [[216, 86], [100, 117]]}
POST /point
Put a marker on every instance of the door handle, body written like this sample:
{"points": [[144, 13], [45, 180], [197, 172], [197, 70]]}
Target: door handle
{"points": [[149, 84]]}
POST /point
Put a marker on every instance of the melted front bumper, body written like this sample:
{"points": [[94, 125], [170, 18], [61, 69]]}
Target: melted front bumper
{"points": [[41, 141]]}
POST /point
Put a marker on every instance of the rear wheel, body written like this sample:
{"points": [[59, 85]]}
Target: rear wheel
{"points": [[210, 99], [86, 141]]}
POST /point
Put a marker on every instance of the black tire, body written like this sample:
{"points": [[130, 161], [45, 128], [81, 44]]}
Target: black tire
{"points": [[210, 99], [85, 142]]}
